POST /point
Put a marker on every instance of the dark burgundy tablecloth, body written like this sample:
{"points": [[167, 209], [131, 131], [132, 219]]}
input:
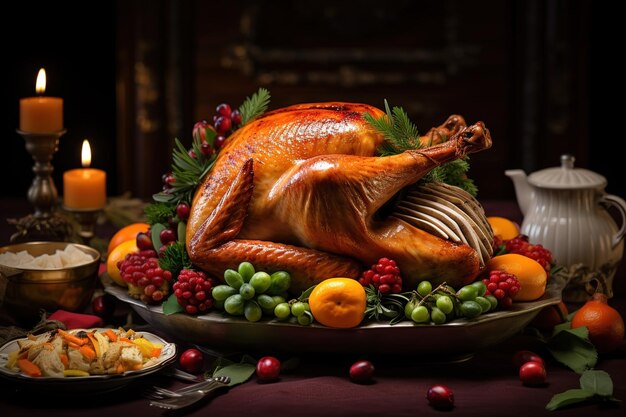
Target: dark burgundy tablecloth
{"points": [[485, 384]]}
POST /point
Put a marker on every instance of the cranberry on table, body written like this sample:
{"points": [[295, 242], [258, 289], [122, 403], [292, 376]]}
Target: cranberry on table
{"points": [[362, 372], [192, 361], [532, 374], [267, 369], [440, 397]]}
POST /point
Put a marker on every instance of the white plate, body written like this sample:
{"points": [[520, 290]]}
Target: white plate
{"points": [[86, 383], [457, 338]]}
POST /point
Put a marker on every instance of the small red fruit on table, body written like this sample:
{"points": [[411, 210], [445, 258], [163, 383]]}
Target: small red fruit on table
{"points": [[192, 361], [362, 372], [267, 369], [440, 397], [532, 374]]}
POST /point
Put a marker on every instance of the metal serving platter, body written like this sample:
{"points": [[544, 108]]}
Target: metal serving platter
{"points": [[459, 337]]}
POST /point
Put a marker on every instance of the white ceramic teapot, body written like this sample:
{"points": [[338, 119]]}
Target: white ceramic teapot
{"points": [[564, 209]]}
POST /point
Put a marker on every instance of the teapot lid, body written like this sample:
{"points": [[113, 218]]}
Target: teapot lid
{"points": [[566, 177]]}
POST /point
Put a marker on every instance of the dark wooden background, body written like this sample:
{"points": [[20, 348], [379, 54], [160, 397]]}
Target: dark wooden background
{"points": [[136, 74]]}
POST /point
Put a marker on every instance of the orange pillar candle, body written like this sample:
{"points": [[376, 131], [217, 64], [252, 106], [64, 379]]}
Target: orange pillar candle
{"points": [[84, 188], [41, 114]]}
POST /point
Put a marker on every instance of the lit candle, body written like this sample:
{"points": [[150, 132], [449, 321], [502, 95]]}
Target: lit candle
{"points": [[84, 188], [41, 114]]}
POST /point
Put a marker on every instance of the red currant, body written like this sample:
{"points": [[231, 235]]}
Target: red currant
{"points": [[236, 117], [223, 109], [219, 141], [384, 276], [167, 236], [222, 124]]}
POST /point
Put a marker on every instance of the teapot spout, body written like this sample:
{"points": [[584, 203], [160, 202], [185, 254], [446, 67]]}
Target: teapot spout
{"points": [[522, 188]]}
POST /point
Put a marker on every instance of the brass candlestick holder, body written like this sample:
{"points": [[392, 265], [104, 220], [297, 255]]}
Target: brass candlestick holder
{"points": [[45, 223], [86, 219]]}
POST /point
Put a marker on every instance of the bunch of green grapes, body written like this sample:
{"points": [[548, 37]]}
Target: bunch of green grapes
{"points": [[251, 293], [443, 304]]}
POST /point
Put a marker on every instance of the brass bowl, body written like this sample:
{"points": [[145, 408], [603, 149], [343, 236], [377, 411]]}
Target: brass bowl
{"points": [[27, 291]]}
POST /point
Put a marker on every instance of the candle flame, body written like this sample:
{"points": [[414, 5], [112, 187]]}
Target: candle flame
{"points": [[40, 84], [85, 154]]}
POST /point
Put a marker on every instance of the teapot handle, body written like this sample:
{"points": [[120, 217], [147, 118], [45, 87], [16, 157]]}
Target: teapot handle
{"points": [[620, 204]]}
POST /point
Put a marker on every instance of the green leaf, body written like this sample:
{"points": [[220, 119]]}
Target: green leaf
{"points": [[569, 397], [573, 349], [237, 372], [171, 306], [306, 293], [597, 381]]}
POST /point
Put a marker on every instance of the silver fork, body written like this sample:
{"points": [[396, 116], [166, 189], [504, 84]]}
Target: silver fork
{"points": [[158, 393], [185, 399]]}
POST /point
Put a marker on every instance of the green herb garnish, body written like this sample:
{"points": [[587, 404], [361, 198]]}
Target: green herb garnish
{"points": [[402, 135], [175, 258], [254, 106], [159, 212]]}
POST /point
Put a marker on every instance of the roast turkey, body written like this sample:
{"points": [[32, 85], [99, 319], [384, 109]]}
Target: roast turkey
{"points": [[301, 189]]}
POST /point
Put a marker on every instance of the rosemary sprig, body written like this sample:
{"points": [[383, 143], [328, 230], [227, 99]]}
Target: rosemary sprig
{"points": [[175, 258], [254, 106], [402, 135], [384, 306]]}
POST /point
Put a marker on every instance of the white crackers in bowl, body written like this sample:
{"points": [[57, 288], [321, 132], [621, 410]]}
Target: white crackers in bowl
{"points": [[69, 257]]}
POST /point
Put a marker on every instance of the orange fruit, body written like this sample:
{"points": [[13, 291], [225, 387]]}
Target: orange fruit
{"points": [[531, 275], [126, 233], [118, 254], [605, 324], [338, 302], [503, 227], [550, 316]]}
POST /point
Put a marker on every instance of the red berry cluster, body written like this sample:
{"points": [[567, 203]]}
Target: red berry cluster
{"points": [[384, 276], [503, 286], [521, 246], [141, 270], [193, 291]]}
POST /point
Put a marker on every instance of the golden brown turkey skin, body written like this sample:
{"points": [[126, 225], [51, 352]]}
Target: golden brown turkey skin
{"points": [[299, 189]]}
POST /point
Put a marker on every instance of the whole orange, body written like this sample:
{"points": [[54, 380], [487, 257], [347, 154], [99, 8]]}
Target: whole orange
{"points": [[503, 227], [126, 233], [605, 324], [118, 254], [531, 275], [550, 316], [338, 302]]}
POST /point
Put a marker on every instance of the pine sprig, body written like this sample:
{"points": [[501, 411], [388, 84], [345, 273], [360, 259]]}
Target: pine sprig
{"points": [[399, 132], [159, 212], [254, 106], [188, 172], [175, 258], [402, 135]]}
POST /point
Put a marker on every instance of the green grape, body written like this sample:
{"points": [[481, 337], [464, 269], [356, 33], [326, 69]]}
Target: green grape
{"points": [[282, 311], [278, 299], [246, 270], [408, 309], [493, 301], [234, 305], [467, 293], [298, 308], [420, 314], [252, 311], [437, 316], [247, 291], [424, 288], [261, 281], [281, 281], [481, 288], [471, 309], [233, 278], [485, 304], [305, 319], [222, 292], [266, 302], [444, 303]]}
